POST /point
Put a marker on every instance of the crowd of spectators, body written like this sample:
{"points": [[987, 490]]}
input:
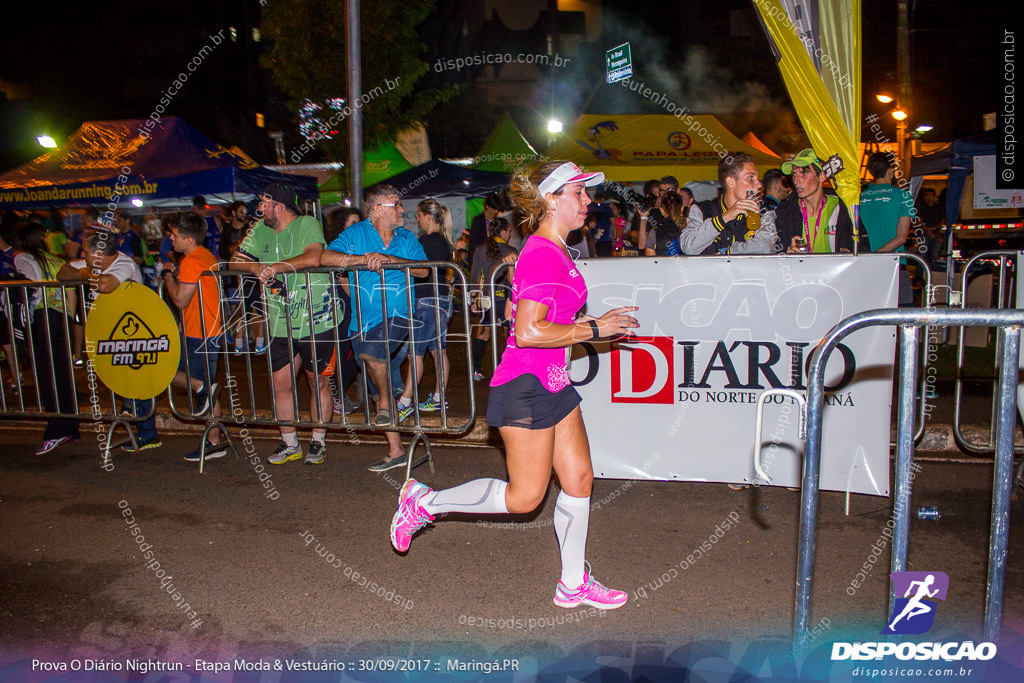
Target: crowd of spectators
{"points": [[792, 209]]}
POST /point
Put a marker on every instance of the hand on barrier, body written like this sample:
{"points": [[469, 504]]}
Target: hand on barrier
{"points": [[374, 261], [266, 274]]}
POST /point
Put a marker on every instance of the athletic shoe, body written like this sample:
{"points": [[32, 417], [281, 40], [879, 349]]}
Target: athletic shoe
{"points": [[345, 405], [143, 444], [404, 411], [385, 465], [239, 350], [411, 517], [478, 376], [285, 453], [202, 399], [213, 450], [50, 444], [260, 348], [432, 406], [316, 453], [383, 418], [590, 593]]}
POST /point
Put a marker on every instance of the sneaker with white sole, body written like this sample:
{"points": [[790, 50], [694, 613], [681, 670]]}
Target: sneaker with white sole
{"points": [[432, 405], [410, 517], [213, 450], [590, 592], [345, 406], [202, 400], [50, 444], [316, 453], [404, 411], [285, 453]]}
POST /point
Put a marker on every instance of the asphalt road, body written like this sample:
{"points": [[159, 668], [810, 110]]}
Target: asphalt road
{"points": [[303, 571]]}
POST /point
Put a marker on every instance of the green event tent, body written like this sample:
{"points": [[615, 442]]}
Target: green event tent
{"points": [[505, 149]]}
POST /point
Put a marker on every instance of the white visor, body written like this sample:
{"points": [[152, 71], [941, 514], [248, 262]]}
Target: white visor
{"points": [[569, 173]]}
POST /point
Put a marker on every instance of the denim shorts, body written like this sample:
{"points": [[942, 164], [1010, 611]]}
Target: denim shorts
{"points": [[381, 341], [425, 330]]}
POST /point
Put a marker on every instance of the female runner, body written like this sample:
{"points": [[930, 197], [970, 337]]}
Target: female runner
{"points": [[532, 402]]}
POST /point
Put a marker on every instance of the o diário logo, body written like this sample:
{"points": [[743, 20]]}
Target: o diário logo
{"points": [[132, 339], [643, 371]]}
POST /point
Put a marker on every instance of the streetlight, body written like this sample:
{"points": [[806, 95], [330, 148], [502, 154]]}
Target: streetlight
{"points": [[46, 141], [900, 114], [554, 126]]}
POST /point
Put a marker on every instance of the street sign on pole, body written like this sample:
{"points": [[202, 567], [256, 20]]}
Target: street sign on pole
{"points": [[619, 63]]}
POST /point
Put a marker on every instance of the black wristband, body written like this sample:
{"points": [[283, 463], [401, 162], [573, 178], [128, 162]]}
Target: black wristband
{"points": [[593, 326], [165, 272]]}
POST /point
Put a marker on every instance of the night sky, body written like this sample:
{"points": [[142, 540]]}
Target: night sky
{"points": [[64, 63]]}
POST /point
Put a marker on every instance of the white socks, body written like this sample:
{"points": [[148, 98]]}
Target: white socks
{"points": [[572, 519], [480, 496], [290, 438]]}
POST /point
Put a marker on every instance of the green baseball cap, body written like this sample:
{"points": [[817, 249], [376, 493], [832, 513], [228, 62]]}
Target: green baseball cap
{"points": [[805, 157]]}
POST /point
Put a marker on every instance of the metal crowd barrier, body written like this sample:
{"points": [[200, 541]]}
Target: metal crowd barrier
{"points": [[88, 399], [909, 321], [246, 408], [497, 274], [1004, 299]]}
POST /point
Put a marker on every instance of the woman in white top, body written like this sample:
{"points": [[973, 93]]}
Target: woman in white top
{"points": [[42, 308]]}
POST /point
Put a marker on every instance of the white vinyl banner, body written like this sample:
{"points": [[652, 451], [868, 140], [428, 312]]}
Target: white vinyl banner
{"points": [[678, 402]]}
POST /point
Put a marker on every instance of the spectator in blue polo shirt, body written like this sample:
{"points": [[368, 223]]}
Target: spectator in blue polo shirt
{"points": [[375, 242]]}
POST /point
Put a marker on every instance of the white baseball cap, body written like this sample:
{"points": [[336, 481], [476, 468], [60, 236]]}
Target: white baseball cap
{"points": [[569, 173]]}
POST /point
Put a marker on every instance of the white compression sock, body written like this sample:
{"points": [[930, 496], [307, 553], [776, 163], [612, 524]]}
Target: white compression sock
{"points": [[480, 496], [572, 519]]}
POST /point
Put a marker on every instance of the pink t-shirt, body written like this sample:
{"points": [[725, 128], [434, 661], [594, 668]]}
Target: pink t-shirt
{"points": [[546, 275]]}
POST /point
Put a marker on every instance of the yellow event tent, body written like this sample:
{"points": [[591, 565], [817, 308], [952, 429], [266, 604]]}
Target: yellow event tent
{"points": [[636, 148]]}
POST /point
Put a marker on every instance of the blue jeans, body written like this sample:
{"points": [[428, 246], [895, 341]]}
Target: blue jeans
{"points": [[145, 430]]}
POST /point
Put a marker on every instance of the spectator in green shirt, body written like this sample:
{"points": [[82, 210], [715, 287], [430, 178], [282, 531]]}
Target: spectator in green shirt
{"points": [[278, 245]]}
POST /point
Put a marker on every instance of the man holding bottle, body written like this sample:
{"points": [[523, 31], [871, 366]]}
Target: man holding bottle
{"points": [[733, 223]]}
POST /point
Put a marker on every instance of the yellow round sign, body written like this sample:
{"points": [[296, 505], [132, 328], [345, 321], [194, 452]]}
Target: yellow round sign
{"points": [[132, 339]]}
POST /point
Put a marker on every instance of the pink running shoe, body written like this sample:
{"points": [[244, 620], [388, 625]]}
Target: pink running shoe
{"points": [[590, 593], [411, 517]]}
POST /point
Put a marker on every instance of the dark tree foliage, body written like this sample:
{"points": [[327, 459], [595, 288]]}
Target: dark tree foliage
{"points": [[307, 59]]}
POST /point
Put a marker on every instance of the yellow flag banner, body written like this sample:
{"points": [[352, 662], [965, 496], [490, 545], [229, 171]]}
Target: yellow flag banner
{"points": [[818, 53], [132, 340]]}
